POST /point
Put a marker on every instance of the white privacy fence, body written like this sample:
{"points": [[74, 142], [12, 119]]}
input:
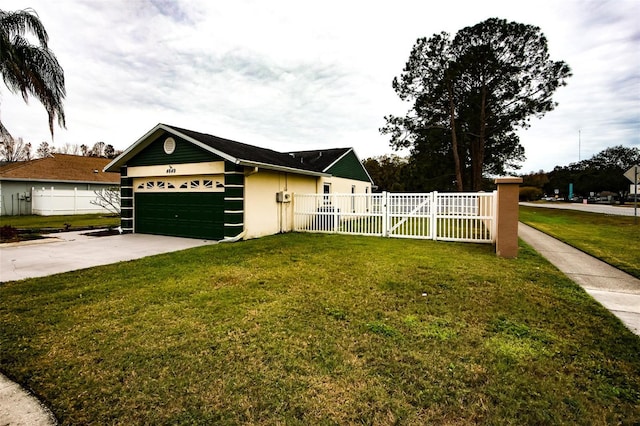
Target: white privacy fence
{"points": [[468, 217], [51, 201]]}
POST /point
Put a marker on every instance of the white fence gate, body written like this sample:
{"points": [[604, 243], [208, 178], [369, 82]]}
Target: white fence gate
{"points": [[468, 217]]}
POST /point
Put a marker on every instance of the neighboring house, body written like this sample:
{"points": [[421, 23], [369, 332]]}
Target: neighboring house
{"points": [[184, 183], [60, 171]]}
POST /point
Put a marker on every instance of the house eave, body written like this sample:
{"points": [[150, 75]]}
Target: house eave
{"points": [[281, 168]]}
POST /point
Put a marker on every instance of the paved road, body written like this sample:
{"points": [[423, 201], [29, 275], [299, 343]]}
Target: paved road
{"points": [[592, 208]]}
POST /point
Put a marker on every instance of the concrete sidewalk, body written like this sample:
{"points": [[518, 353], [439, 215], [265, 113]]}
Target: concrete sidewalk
{"points": [[617, 291]]}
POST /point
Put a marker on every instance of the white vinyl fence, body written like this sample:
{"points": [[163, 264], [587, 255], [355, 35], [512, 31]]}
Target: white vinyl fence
{"points": [[468, 217], [51, 201]]}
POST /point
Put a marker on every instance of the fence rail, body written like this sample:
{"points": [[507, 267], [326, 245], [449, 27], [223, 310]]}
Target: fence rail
{"points": [[468, 217]]}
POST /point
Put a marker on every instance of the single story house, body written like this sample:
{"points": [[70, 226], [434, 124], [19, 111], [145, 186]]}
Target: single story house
{"points": [[179, 182], [60, 171]]}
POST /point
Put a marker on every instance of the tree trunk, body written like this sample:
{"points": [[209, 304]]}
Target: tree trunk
{"points": [[454, 139], [477, 149]]}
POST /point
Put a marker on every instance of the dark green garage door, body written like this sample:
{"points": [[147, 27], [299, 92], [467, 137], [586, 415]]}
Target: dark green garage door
{"points": [[181, 214]]}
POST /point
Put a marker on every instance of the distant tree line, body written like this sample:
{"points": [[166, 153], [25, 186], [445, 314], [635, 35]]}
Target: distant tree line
{"points": [[15, 149], [601, 173], [425, 172]]}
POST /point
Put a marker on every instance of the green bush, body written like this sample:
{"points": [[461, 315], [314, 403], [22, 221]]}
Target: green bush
{"points": [[530, 193], [8, 233]]}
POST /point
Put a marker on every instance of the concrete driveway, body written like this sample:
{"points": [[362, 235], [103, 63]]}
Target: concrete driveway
{"points": [[69, 251]]}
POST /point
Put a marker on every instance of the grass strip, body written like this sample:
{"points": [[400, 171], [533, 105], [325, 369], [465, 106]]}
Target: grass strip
{"points": [[612, 239], [35, 222]]}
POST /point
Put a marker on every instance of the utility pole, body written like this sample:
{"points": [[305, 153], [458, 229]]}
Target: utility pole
{"points": [[579, 145]]}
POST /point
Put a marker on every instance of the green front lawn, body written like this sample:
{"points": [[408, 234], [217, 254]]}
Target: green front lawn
{"points": [[613, 239], [321, 329]]}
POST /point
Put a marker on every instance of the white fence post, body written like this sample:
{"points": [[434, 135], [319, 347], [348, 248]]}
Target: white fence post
{"points": [[433, 215], [336, 218], [494, 213], [384, 202]]}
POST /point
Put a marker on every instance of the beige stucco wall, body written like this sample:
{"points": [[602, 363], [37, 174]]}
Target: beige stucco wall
{"points": [[263, 215], [210, 168], [343, 186]]}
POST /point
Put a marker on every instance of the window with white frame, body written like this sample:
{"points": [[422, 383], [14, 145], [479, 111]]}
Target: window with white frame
{"points": [[326, 190]]}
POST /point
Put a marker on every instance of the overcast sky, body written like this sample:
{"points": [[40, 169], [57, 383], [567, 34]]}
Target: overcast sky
{"points": [[297, 75]]}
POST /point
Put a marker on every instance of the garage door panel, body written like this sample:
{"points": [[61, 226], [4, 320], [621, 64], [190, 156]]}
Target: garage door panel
{"points": [[194, 215]]}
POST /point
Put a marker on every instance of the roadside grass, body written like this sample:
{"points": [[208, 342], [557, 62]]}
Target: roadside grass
{"points": [[612, 239], [321, 329], [34, 222]]}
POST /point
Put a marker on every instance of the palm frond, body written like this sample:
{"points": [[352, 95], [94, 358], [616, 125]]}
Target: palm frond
{"points": [[31, 69], [21, 22]]}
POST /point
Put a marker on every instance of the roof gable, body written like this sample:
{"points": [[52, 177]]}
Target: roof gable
{"points": [[61, 167], [316, 163], [319, 159], [349, 166], [184, 152]]}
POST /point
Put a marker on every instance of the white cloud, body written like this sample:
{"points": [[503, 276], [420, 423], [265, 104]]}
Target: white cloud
{"points": [[299, 75]]}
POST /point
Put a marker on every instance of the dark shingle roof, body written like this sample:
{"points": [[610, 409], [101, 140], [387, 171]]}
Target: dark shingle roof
{"points": [[61, 167], [315, 161], [240, 150], [319, 160]]}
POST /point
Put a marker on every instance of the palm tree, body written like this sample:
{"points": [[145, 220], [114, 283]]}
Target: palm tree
{"points": [[30, 69]]}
